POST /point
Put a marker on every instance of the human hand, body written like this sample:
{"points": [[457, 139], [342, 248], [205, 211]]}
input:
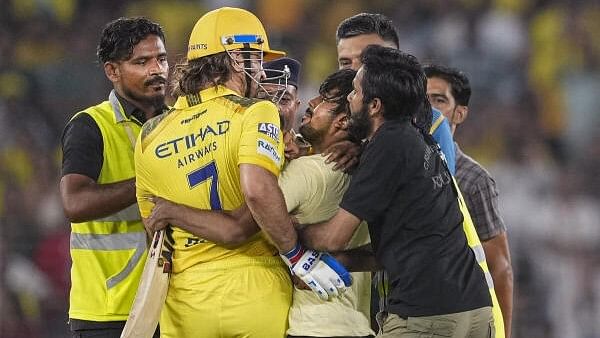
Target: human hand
{"points": [[321, 272], [295, 145], [299, 284], [345, 154], [161, 215]]}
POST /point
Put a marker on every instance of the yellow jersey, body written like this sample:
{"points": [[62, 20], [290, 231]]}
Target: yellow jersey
{"points": [[191, 156]]}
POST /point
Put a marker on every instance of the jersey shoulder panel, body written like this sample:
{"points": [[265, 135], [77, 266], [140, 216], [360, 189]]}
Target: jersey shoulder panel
{"points": [[152, 123], [243, 102]]}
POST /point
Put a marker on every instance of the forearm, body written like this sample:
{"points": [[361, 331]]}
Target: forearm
{"points": [[86, 200], [271, 215], [216, 226], [333, 235], [267, 205], [316, 236], [503, 284], [499, 263], [358, 259]]}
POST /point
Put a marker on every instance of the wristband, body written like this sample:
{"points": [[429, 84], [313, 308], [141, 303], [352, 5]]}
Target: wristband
{"points": [[294, 255]]}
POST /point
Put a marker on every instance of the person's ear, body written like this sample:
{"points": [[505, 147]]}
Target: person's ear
{"points": [[112, 71], [375, 107], [341, 121], [460, 114], [236, 61]]}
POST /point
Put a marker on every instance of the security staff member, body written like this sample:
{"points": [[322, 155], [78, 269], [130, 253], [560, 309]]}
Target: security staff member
{"points": [[108, 241], [405, 192]]}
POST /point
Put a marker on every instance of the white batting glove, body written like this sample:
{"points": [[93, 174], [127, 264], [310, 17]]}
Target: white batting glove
{"points": [[321, 272]]}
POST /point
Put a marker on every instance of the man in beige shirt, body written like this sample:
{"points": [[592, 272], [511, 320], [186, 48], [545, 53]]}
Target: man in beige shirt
{"points": [[312, 191]]}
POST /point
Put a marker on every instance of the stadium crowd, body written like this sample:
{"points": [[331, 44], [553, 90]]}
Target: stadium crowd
{"points": [[535, 72]]}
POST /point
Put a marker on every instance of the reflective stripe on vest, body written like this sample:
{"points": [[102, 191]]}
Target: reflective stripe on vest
{"points": [[126, 241], [116, 106], [436, 124], [120, 117], [480, 256]]}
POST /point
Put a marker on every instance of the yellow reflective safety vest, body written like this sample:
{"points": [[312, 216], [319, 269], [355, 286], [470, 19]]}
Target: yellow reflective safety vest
{"points": [[108, 254], [475, 245]]}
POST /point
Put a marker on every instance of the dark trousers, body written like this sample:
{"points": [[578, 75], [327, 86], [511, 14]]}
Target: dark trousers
{"points": [[98, 330], [288, 336]]}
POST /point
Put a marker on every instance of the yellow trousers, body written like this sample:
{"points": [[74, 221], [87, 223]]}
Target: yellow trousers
{"points": [[235, 297]]}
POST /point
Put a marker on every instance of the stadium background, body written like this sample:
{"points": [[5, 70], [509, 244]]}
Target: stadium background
{"points": [[535, 72]]}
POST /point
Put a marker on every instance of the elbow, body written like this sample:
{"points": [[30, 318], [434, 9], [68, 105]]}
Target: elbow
{"points": [[502, 272], [254, 196], [73, 211], [508, 272]]}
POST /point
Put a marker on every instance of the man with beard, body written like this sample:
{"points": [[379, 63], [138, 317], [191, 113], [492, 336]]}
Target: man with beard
{"points": [[219, 149], [108, 240], [405, 192], [353, 35], [357, 32], [312, 191]]}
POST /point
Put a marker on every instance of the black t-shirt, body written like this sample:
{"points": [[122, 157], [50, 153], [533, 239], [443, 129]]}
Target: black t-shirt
{"points": [[403, 190], [82, 143]]}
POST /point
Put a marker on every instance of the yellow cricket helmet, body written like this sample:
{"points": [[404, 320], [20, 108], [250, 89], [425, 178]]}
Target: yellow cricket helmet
{"points": [[226, 29]]}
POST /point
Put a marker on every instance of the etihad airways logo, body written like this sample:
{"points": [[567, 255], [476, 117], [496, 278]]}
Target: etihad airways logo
{"points": [[186, 142]]}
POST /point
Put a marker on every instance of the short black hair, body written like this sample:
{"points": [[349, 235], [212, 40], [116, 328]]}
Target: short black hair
{"points": [[458, 81], [336, 87], [368, 23], [120, 36], [398, 80]]}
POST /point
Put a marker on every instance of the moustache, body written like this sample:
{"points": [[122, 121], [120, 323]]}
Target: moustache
{"points": [[155, 80]]}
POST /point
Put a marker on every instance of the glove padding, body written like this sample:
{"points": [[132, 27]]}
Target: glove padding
{"points": [[319, 270]]}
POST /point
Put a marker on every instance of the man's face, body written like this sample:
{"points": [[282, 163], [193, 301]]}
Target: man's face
{"points": [[349, 49], [288, 105], [254, 70], [439, 93], [315, 126], [360, 123], [143, 77]]}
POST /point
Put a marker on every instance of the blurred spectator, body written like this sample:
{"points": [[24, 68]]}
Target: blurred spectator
{"points": [[535, 65]]}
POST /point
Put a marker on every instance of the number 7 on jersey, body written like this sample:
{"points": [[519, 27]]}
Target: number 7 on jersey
{"points": [[208, 172]]}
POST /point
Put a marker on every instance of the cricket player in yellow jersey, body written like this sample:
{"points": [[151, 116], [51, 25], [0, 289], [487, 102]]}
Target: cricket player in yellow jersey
{"points": [[216, 150]]}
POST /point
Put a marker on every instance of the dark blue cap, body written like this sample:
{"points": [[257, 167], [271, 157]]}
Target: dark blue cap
{"points": [[279, 65]]}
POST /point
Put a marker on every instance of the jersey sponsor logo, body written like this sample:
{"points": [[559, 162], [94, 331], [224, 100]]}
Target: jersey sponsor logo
{"points": [[310, 261], [183, 143], [196, 154], [193, 117], [191, 241], [269, 150], [270, 130]]}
